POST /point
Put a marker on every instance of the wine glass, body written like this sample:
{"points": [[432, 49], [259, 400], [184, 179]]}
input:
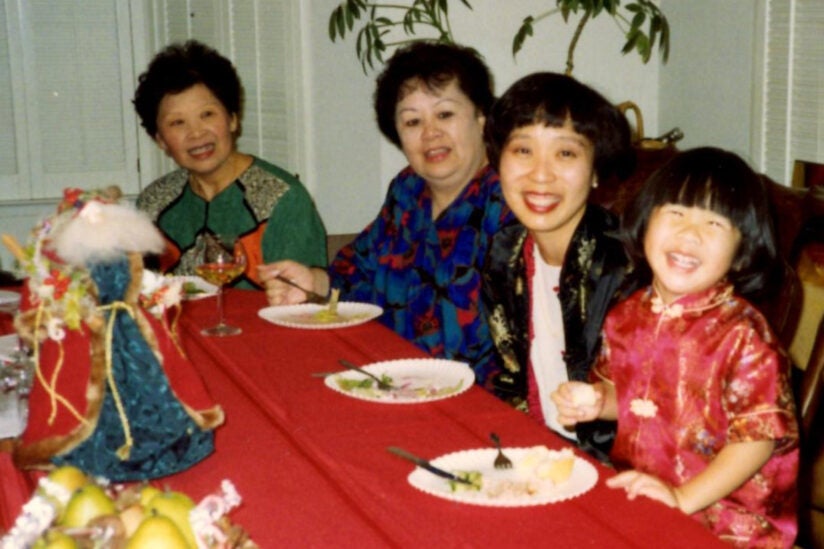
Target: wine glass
{"points": [[219, 261]]}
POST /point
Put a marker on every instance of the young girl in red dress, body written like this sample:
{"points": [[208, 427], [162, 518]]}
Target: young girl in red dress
{"points": [[689, 368]]}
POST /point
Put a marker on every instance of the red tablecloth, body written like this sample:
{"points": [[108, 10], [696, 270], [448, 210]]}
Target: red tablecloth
{"points": [[7, 313], [312, 466]]}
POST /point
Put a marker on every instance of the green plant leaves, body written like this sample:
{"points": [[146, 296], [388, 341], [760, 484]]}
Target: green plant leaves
{"points": [[523, 32], [371, 42], [632, 20], [642, 22]]}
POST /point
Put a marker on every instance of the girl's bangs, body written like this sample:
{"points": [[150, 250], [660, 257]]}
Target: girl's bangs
{"points": [[703, 192]]}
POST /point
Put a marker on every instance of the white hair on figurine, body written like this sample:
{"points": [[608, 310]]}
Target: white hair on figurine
{"points": [[103, 232]]}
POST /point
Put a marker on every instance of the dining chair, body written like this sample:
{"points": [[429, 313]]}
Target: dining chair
{"points": [[810, 395], [334, 242]]}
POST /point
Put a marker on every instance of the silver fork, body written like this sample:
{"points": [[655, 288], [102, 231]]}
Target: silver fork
{"points": [[382, 385], [311, 297], [501, 461]]}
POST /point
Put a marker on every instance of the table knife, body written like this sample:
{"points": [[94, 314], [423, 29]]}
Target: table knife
{"points": [[424, 464]]}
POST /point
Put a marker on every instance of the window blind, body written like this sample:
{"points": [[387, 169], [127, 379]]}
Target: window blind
{"points": [[62, 97], [255, 36], [793, 113]]}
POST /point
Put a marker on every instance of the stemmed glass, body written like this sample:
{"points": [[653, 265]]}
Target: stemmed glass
{"points": [[219, 261]]}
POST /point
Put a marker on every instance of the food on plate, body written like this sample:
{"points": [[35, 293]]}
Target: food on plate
{"points": [[350, 384], [539, 470], [324, 316], [191, 289], [402, 388], [546, 464], [583, 394], [474, 477], [330, 313]]}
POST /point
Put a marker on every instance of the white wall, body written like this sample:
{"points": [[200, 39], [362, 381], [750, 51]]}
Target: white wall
{"points": [[349, 162], [708, 88]]}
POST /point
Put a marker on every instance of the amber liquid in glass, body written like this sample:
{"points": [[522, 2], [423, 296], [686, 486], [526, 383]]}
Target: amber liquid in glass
{"points": [[219, 273]]}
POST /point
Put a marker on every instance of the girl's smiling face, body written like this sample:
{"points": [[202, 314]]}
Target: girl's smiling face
{"points": [[689, 249], [546, 175]]}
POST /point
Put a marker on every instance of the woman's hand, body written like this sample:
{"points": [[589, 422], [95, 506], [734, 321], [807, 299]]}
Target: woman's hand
{"points": [[636, 483], [280, 293], [578, 401]]}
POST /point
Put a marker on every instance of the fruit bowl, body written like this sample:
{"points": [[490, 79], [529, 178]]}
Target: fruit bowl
{"points": [[72, 510]]}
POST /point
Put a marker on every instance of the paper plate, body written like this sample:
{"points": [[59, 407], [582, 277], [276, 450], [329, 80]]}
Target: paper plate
{"points": [[195, 287], [306, 315], [8, 347], [416, 380], [504, 487], [9, 301]]}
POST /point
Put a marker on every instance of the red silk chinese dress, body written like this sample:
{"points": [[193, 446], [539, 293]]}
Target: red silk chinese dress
{"points": [[692, 377]]}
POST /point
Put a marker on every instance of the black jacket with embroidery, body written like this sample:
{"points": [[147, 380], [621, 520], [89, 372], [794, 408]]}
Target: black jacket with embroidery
{"points": [[593, 277]]}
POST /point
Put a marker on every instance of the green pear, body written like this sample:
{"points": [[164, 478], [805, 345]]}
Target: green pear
{"points": [[131, 517], [147, 493], [69, 477], [87, 503], [158, 531], [55, 540], [176, 506]]}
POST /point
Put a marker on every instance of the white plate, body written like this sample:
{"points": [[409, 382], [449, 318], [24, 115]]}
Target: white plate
{"points": [[583, 478], [9, 301], [417, 380], [8, 347], [206, 289], [304, 315]]}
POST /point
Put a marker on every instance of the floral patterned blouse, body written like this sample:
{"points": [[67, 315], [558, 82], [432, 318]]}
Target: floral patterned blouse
{"points": [[692, 377], [425, 272]]}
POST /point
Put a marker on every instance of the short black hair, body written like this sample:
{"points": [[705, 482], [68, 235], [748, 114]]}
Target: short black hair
{"points": [[435, 64], [718, 180], [551, 99], [177, 68]]}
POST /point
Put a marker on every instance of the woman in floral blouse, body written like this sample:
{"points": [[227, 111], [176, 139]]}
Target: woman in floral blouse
{"points": [[420, 259]]}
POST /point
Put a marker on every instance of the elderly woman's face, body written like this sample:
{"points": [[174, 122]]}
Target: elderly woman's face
{"points": [[441, 133], [196, 130]]}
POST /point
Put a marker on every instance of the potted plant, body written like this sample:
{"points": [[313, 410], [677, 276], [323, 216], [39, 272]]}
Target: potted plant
{"points": [[641, 21]]}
